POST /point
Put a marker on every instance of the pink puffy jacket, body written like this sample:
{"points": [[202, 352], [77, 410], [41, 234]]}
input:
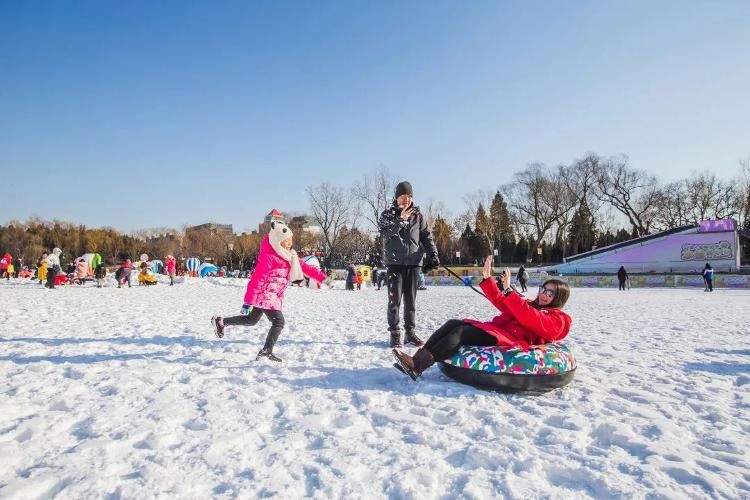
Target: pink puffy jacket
{"points": [[271, 278], [170, 266]]}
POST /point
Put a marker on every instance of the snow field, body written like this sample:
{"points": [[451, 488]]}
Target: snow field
{"points": [[110, 393]]}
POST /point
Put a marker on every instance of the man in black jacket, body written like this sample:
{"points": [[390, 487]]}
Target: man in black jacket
{"points": [[406, 240]]}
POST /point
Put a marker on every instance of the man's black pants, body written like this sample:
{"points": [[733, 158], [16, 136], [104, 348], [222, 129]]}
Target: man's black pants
{"points": [[402, 281]]}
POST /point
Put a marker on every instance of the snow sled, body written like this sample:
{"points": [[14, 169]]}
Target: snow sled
{"points": [[511, 369], [145, 278]]}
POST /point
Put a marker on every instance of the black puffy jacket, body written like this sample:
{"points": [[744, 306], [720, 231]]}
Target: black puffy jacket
{"points": [[405, 242]]}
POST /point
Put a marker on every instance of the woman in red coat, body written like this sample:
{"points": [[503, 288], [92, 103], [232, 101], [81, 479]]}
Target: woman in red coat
{"points": [[521, 323]]}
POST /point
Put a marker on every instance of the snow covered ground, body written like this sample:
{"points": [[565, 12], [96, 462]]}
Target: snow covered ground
{"points": [[108, 393]]}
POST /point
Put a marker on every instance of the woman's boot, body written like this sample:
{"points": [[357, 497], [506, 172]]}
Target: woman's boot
{"points": [[413, 365]]}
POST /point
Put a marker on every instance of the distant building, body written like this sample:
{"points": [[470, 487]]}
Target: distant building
{"points": [[222, 229], [305, 223], [272, 216]]}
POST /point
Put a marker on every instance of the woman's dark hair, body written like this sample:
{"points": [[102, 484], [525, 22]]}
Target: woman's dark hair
{"points": [[562, 293]]}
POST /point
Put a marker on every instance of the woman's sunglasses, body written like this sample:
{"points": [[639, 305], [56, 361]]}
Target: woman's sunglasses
{"points": [[549, 292]]}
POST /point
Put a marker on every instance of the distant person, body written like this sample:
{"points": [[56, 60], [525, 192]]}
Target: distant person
{"points": [[17, 266], [123, 274], [171, 268], [100, 272], [359, 280], [41, 268], [708, 278], [53, 267], [408, 249], [351, 276], [421, 282], [622, 277], [5, 262], [522, 277]]}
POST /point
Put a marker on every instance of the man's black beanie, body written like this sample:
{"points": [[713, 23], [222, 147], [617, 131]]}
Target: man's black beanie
{"points": [[404, 188]]}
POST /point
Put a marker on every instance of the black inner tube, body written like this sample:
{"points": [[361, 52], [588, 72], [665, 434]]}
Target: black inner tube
{"points": [[506, 382]]}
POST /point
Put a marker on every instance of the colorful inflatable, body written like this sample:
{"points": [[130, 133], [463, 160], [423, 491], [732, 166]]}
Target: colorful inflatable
{"points": [[192, 265], [206, 269], [156, 266], [541, 368], [92, 259], [313, 261]]}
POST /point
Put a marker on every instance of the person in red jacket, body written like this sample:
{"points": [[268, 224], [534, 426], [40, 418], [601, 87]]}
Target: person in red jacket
{"points": [[521, 323], [5, 262]]}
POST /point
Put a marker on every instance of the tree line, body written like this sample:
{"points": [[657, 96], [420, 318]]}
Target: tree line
{"points": [[541, 216]]}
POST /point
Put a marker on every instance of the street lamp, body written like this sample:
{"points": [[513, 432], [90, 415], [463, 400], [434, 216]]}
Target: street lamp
{"points": [[230, 246]]}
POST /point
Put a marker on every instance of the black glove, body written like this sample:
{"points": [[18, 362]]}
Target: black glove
{"points": [[431, 262]]}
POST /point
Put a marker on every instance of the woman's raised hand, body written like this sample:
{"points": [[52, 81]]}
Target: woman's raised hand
{"points": [[506, 278], [487, 269]]}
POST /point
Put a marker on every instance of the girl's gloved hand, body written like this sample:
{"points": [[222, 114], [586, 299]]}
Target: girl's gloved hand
{"points": [[246, 308]]}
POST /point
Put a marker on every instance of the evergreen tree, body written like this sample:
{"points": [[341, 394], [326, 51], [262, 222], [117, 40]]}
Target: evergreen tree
{"points": [[505, 238], [466, 242], [442, 236], [605, 239], [484, 234], [582, 231], [623, 235], [521, 250], [556, 252]]}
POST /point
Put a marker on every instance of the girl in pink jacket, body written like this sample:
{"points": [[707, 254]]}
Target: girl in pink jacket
{"points": [[171, 268], [277, 266]]}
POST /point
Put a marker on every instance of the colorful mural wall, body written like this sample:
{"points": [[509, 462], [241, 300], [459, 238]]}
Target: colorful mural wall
{"points": [[654, 281]]}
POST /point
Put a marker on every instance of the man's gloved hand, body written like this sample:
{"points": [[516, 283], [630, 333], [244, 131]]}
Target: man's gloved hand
{"points": [[246, 308], [431, 262]]}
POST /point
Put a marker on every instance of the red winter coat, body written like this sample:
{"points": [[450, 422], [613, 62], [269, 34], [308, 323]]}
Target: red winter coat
{"points": [[6, 261], [521, 324]]}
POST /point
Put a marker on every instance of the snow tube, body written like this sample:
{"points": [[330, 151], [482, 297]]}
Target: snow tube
{"points": [[207, 268], [511, 369]]}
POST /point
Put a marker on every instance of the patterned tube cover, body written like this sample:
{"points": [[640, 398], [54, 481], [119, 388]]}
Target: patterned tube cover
{"points": [[548, 359]]}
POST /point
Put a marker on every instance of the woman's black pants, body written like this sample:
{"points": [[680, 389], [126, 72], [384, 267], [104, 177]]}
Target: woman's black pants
{"points": [[448, 339]]}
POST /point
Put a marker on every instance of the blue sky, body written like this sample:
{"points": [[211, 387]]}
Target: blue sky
{"points": [[145, 114]]}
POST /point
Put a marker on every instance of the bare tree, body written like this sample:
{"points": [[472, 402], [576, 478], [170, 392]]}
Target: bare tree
{"points": [[580, 181], [538, 201], [673, 208], [432, 210], [375, 193], [634, 193], [333, 210]]}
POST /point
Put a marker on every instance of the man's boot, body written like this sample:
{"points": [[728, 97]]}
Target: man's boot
{"points": [[411, 338], [396, 339]]}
